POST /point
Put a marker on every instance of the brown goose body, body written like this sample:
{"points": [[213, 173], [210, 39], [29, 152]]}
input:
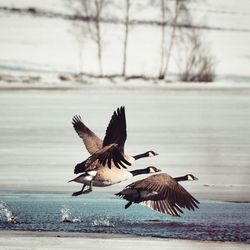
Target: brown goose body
{"points": [[160, 192], [103, 177]]}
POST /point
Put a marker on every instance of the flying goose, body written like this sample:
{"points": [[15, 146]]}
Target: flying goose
{"points": [[160, 192], [110, 151], [102, 177]]}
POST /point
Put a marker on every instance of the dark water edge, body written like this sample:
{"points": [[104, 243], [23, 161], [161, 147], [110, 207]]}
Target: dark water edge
{"points": [[214, 221]]}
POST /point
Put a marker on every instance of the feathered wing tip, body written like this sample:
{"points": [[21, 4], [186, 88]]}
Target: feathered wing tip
{"points": [[114, 155], [80, 167], [171, 206], [78, 124], [91, 141], [76, 119], [163, 206], [116, 132], [107, 156]]}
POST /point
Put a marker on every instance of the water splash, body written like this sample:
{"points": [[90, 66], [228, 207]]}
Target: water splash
{"points": [[102, 221], [67, 216], [5, 209]]}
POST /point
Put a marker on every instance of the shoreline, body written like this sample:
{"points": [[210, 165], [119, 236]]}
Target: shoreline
{"points": [[52, 83], [212, 194], [70, 240]]}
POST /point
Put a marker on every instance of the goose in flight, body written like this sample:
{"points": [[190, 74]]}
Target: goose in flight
{"points": [[162, 193], [107, 153], [110, 151], [103, 176]]}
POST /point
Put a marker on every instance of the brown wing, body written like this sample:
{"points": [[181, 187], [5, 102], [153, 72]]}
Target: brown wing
{"points": [[163, 206], [164, 194], [91, 141]]}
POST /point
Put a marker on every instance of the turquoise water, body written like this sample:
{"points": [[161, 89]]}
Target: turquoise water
{"points": [[214, 221]]}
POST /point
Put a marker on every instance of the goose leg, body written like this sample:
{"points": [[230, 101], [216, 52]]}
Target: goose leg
{"points": [[88, 190], [128, 204], [79, 192]]}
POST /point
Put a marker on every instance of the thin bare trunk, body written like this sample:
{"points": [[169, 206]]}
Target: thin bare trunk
{"points": [[172, 38], [98, 33], [163, 14], [125, 44]]}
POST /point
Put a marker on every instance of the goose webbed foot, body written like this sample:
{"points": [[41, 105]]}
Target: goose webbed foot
{"points": [[87, 191], [77, 193]]}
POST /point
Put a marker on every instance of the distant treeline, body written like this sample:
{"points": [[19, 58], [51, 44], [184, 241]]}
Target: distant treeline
{"points": [[52, 14], [178, 35]]}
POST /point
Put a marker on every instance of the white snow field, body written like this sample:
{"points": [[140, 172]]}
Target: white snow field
{"points": [[46, 45]]}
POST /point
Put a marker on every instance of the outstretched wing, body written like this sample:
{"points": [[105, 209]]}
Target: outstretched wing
{"points": [[161, 193], [108, 155], [116, 132], [113, 144], [91, 141]]}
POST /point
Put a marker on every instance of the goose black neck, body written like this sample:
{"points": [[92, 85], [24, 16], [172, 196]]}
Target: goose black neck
{"points": [[139, 171], [181, 178], [136, 157]]}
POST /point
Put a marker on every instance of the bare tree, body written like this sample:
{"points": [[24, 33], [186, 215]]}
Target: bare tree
{"points": [[125, 42], [164, 69], [98, 10], [164, 9], [198, 61], [79, 31], [91, 11]]}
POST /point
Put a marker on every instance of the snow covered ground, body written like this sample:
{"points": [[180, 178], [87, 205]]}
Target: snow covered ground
{"points": [[39, 45]]}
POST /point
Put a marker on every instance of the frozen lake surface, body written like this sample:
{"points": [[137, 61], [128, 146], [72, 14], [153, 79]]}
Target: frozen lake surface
{"points": [[203, 132]]}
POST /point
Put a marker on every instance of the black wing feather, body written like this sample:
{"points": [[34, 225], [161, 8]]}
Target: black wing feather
{"points": [[116, 131], [106, 156]]}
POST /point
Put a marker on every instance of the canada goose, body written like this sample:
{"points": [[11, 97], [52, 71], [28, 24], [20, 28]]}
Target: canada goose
{"points": [[81, 167], [110, 151], [160, 192], [103, 177]]}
